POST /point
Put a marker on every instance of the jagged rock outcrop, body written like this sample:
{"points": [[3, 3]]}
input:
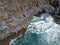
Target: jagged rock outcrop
{"points": [[16, 14]]}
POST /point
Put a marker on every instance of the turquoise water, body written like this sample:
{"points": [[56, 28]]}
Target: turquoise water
{"points": [[41, 31]]}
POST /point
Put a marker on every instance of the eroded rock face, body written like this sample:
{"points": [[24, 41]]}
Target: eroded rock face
{"points": [[16, 14]]}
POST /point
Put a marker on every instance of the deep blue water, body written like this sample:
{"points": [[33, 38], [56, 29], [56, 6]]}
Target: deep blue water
{"points": [[41, 31]]}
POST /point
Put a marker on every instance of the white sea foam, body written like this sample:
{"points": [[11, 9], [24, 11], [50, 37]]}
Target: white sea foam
{"points": [[44, 24], [12, 41]]}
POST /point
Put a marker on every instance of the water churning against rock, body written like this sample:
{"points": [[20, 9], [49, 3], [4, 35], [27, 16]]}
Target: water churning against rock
{"points": [[41, 31]]}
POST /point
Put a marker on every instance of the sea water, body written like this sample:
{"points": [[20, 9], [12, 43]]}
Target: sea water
{"points": [[41, 31]]}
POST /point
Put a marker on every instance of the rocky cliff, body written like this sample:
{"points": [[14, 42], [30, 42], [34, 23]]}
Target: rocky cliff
{"points": [[16, 14]]}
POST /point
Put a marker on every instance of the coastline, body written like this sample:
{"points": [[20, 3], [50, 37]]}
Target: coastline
{"points": [[7, 40]]}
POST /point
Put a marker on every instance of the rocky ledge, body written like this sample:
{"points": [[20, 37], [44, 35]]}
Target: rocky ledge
{"points": [[16, 14]]}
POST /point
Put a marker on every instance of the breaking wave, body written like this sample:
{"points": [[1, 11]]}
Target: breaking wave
{"points": [[41, 31]]}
